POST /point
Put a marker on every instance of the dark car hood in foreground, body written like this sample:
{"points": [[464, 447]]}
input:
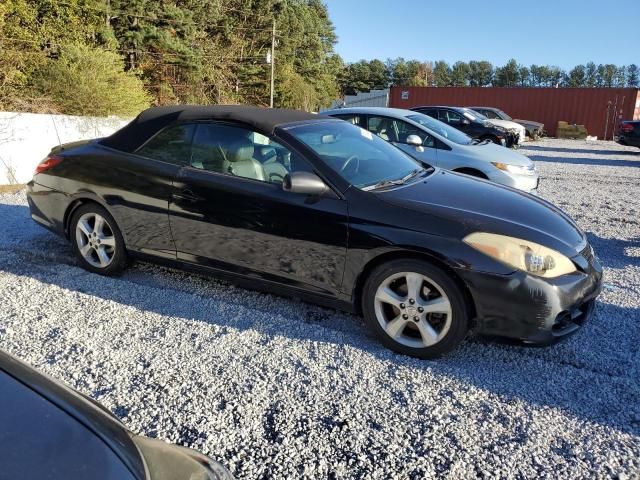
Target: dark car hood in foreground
{"points": [[476, 205]]}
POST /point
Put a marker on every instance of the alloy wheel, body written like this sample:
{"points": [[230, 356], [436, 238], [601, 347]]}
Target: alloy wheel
{"points": [[95, 239], [413, 309]]}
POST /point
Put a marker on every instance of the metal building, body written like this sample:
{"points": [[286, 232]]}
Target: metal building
{"points": [[374, 98]]}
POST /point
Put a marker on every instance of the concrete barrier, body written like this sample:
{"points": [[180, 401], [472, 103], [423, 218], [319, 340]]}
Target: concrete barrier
{"points": [[26, 138]]}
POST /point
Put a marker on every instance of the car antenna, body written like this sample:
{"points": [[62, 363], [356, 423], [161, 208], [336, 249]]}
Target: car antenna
{"points": [[56, 129]]}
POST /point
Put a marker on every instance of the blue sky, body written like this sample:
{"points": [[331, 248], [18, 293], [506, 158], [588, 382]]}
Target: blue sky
{"points": [[560, 32]]}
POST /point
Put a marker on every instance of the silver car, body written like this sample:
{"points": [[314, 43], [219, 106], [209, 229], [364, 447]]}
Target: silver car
{"points": [[435, 143]]}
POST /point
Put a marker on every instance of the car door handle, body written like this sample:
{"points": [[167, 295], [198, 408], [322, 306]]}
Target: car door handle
{"points": [[186, 195]]}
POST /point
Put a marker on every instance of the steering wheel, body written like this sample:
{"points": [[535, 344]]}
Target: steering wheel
{"points": [[353, 159]]}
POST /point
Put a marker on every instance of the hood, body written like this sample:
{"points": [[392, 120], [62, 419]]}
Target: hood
{"points": [[508, 124], [530, 123], [496, 153], [476, 205]]}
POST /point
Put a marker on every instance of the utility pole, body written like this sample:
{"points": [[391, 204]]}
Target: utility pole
{"points": [[273, 58]]}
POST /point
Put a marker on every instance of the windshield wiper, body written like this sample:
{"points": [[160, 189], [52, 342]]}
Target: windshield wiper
{"points": [[400, 181], [480, 142]]}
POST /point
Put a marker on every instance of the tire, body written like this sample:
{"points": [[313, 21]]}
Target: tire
{"points": [[98, 244], [492, 139], [392, 318]]}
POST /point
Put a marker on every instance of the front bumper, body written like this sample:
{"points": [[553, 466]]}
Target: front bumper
{"points": [[534, 309]]}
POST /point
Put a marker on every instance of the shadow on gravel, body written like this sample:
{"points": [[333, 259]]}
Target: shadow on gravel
{"points": [[583, 151], [592, 375], [615, 253]]}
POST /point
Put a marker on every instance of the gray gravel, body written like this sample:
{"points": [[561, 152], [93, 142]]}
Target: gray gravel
{"points": [[276, 388]]}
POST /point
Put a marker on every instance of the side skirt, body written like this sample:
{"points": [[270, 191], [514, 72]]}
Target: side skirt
{"points": [[250, 283]]}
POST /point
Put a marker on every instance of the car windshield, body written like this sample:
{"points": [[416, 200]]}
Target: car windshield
{"points": [[503, 115], [363, 159], [441, 128], [475, 115]]}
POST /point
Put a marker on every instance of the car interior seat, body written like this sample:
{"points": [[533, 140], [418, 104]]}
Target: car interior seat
{"points": [[386, 132], [239, 160], [273, 168]]}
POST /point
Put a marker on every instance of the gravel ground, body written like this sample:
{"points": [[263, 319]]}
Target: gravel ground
{"points": [[276, 388]]}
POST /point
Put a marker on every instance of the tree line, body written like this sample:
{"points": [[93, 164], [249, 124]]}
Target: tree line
{"points": [[98, 57], [376, 74], [116, 57]]}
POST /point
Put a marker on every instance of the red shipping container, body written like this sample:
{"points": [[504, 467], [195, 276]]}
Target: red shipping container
{"points": [[595, 108]]}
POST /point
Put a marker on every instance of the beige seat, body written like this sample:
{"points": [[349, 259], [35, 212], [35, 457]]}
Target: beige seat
{"points": [[385, 131], [240, 162]]}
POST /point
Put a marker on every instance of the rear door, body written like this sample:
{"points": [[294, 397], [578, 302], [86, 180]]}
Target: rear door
{"points": [[229, 212]]}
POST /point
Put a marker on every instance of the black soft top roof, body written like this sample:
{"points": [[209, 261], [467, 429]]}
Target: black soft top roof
{"points": [[150, 121]]}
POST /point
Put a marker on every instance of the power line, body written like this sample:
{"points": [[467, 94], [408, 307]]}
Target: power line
{"points": [[138, 51]]}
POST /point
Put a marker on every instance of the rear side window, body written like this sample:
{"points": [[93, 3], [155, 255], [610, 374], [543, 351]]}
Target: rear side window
{"points": [[171, 145], [431, 112], [39, 440], [351, 118]]}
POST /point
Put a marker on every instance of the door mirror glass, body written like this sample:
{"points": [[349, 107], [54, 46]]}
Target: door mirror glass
{"points": [[414, 140], [304, 182]]}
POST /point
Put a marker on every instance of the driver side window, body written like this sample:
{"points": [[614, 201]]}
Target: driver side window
{"points": [[405, 129], [237, 151], [393, 130], [452, 117]]}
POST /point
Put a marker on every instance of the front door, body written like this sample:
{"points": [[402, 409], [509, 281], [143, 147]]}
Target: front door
{"points": [[229, 211]]}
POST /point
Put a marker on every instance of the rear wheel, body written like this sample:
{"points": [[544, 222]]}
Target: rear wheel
{"points": [[97, 241], [415, 308]]}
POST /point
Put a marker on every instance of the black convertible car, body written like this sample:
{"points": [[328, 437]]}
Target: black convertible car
{"points": [[50, 432], [314, 207]]}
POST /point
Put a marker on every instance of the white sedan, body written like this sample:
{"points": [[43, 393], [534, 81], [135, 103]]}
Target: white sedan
{"points": [[435, 143]]}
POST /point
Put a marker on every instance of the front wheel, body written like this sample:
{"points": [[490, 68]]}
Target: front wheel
{"points": [[415, 308], [97, 241]]}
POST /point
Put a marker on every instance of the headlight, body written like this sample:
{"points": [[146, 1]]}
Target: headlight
{"points": [[517, 169], [521, 254]]}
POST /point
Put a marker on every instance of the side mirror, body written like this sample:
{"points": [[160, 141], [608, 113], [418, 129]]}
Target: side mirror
{"points": [[414, 140], [304, 182], [466, 122]]}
